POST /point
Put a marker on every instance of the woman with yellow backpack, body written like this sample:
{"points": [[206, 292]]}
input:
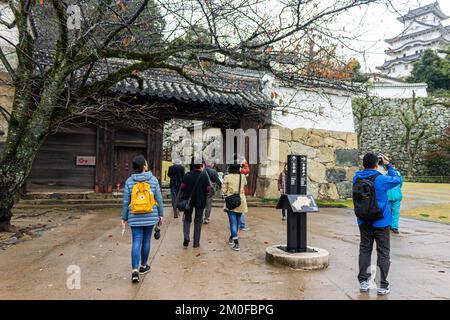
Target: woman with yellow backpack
{"points": [[142, 209]]}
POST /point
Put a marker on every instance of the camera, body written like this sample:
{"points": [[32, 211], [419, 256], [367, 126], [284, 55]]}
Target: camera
{"points": [[157, 234], [380, 159]]}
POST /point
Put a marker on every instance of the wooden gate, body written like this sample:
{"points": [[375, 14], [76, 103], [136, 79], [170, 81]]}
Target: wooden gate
{"points": [[123, 163]]}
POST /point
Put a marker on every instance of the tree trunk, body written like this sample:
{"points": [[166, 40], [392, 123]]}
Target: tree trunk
{"points": [[14, 171], [6, 204], [21, 147]]}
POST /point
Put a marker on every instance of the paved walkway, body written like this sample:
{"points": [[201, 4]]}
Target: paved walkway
{"points": [[36, 269]]}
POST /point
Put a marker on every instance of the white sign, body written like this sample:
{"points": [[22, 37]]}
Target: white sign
{"points": [[85, 161]]}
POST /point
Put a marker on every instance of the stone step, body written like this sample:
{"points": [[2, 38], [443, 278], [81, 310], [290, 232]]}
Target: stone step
{"points": [[90, 199]]}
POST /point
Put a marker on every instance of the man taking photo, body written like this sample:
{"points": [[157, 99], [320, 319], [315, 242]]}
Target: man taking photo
{"points": [[374, 217]]}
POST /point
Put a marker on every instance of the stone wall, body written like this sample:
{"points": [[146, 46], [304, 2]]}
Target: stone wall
{"points": [[332, 161], [383, 133]]}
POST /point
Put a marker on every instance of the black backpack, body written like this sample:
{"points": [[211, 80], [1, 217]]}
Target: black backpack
{"points": [[365, 200]]}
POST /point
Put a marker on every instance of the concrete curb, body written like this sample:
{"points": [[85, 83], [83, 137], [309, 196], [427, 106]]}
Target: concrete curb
{"points": [[317, 260]]}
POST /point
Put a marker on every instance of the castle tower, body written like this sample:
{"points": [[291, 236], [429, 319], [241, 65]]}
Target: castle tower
{"points": [[423, 29]]}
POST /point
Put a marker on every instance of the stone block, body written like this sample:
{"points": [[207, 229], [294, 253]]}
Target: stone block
{"points": [[344, 189], [312, 188], [347, 157], [301, 149], [267, 188], [284, 134], [300, 134], [325, 154], [352, 141], [315, 141], [335, 143], [320, 132], [336, 175], [350, 173], [340, 135], [316, 171], [328, 191], [284, 151]]}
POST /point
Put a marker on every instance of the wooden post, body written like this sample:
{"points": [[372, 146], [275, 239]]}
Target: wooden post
{"points": [[155, 148], [104, 163]]}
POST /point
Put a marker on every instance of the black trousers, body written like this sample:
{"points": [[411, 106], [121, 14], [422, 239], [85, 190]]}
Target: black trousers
{"points": [[381, 236], [198, 221]]}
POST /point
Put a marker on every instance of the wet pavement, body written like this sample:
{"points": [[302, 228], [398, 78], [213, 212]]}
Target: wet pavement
{"points": [[36, 269]]}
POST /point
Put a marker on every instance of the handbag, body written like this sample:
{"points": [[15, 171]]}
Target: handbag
{"points": [[213, 188], [234, 201], [185, 204]]}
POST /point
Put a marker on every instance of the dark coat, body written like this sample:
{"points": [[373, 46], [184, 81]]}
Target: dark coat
{"points": [[214, 176], [202, 188], [176, 175]]}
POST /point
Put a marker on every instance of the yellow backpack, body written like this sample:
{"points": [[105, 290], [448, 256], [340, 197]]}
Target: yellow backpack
{"points": [[142, 198]]}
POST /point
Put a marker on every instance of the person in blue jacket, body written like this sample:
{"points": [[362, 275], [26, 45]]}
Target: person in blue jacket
{"points": [[141, 224], [378, 230], [395, 198]]}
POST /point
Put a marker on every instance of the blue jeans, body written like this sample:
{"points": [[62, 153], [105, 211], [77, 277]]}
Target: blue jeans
{"points": [[283, 213], [173, 195], [234, 218], [242, 224], [140, 248]]}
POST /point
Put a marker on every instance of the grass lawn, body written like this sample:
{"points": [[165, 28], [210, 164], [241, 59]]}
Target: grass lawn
{"points": [[416, 201], [426, 201], [422, 196], [439, 212]]}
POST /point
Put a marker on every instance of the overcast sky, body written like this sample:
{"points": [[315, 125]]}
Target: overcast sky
{"points": [[376, 23]]}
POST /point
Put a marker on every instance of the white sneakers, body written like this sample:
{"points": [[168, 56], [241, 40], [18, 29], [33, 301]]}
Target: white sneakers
{"points": [[365, 287], [383, 291]]}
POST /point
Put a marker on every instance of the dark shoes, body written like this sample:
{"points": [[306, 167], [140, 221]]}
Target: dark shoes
{"points": [[230, 241], [186, 244], [236, 246], [135, 277], [145, 269], [395, 231]]}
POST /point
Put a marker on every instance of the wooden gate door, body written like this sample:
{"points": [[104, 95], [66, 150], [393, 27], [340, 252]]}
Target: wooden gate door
{"points": [[123, 164]]}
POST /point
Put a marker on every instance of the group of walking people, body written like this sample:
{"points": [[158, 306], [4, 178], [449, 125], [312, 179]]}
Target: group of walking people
{"points": [[192, 193]]}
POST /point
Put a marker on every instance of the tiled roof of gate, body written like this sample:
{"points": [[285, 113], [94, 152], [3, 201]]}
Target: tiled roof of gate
{"points": [[167, 84], [224, 85]]}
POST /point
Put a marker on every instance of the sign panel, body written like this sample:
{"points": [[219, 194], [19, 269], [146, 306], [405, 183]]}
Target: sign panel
{"points": [[303, 203], [297, 203], [85, 161]]}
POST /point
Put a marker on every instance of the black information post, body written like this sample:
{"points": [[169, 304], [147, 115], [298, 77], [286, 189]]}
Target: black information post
{"points": [[296, 221]]}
